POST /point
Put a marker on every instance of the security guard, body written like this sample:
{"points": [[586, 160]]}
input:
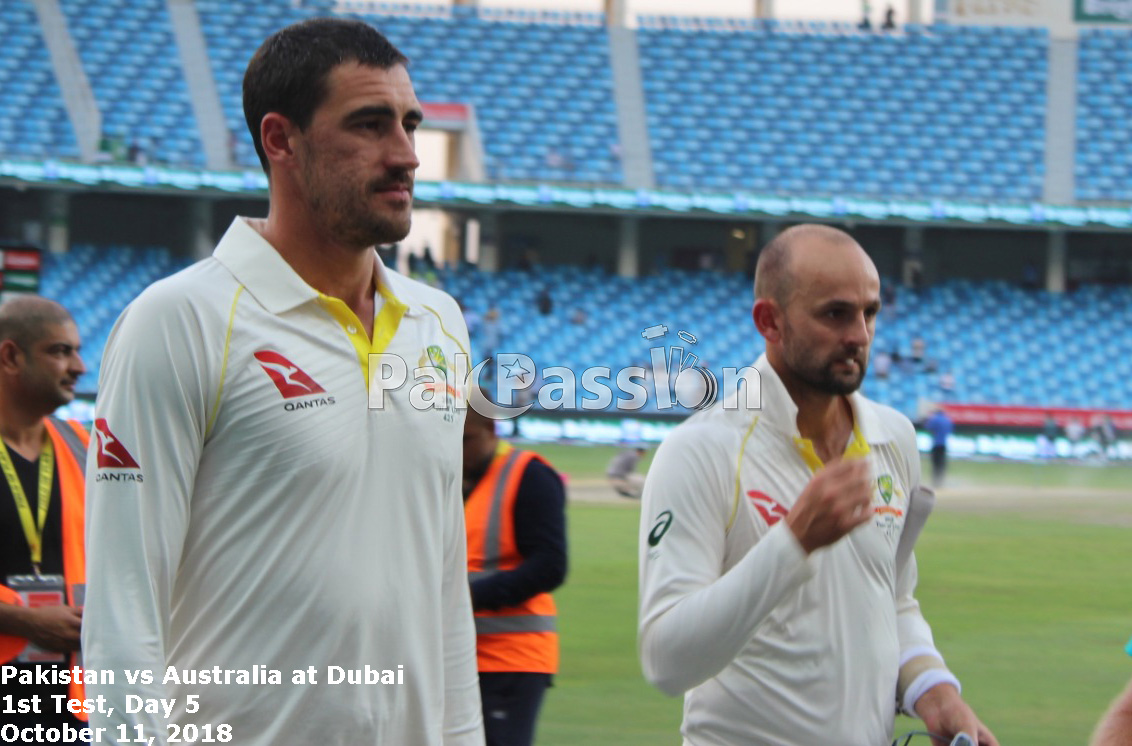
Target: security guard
{"points": [[514, 510]]}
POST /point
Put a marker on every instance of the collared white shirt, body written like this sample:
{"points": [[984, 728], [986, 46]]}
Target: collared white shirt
{"points": [[772, 646], [271, 517]]}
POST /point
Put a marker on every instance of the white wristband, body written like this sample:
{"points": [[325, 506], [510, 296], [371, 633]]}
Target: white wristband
{"points": [[922, 684]]}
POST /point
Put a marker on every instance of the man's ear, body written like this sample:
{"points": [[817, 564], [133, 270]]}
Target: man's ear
{"points": [[768, 319], [9, 356], [276, 135]]}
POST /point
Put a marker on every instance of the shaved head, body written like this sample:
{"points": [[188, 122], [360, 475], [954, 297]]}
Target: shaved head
{"points": [[24, 320], [775, 277], [817, 294]]}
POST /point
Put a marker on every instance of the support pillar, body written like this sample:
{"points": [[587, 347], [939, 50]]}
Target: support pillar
{"points": [[489, 240], [199, 228], [913, 273], [628, 248], [56, 218], [616, 12], [1056, 262]]}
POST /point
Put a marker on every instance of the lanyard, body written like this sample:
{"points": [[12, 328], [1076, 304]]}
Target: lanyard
{"points": [[33, 529]]}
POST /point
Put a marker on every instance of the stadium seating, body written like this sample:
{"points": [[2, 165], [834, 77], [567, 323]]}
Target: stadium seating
{"points": [[129, 54], [96, 284], [933, 111], [542, 92], [1003, 345], [1104, 108], [33, 120]]}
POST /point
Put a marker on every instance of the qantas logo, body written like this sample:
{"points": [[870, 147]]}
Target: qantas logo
{"points": [[287, 377], [111, 453], [769, 508]]}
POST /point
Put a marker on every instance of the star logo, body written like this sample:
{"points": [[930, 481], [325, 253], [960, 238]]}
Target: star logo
{"points": [[516, 370]]}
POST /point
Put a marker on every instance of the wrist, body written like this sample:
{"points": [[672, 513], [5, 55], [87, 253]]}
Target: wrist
{"points": [[926, 687], [15, 620]]}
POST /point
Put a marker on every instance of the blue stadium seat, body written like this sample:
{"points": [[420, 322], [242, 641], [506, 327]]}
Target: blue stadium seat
{"points": [[790, 88], [1104, 104]]}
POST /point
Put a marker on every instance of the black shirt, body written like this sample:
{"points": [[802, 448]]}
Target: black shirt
{"points": [[540, 537], [15, 559]]}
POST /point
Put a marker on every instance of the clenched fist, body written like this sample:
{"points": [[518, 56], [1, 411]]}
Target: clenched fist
{"points": [[834, 503]]}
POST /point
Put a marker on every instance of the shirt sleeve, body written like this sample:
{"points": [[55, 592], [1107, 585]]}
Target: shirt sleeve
{"points": [[152, 406], [540, 537], [694, 615]]}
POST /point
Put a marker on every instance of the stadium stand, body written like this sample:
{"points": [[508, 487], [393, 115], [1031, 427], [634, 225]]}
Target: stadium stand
{"points": [[1002, 344], [96, 284], [1104, 108], [542, 92], [33, 120], [932, 111], [130, 57]]}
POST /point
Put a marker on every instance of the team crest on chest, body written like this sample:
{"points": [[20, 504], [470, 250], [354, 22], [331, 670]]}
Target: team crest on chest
{"points": [[889, 517]]}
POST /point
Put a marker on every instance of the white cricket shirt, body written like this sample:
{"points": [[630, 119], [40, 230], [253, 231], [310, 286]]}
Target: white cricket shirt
{"points": [[773, 648], [272, 518]]}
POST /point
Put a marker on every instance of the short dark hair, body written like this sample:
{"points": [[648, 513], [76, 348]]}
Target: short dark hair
{"points": [[288, 72], [23, 319]]}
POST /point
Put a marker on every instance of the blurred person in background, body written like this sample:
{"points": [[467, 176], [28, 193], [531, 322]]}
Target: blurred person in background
{"points": [[42, 554], [622, 472], [939, 425]]}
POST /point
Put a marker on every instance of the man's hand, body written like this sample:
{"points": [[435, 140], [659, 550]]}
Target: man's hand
{"points": [[835, 502], [944, 712], [55, 627]]}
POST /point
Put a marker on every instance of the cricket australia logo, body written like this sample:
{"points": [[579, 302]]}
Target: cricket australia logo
{"points": [[889, 518]]}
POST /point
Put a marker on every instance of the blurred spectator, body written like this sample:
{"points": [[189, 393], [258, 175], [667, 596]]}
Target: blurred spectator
{"points": [[940, 427], [136, 154], [1105, 433], [1030, 276], [889, 19], [578, 316], [882, 366], [919, 359], [1074, 431], [865, 24], [544, 302], [622, 472], [888, 300], [946, 383], [1047, 439]]}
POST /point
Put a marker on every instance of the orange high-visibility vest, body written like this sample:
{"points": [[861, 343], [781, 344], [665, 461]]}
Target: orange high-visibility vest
{"points": [[70, 442], [519, 638]]}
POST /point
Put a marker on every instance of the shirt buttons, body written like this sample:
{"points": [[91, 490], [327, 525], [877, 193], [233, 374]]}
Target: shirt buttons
{"points": [[352, 329]]}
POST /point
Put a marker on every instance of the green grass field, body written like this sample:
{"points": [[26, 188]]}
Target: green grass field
{"points": [[1031, 606]]}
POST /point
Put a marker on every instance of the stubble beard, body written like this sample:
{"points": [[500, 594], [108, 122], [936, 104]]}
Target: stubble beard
{"points": [[820, 376], [351, 219]]}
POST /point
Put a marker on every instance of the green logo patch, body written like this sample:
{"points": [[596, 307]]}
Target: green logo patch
{"points": [[663, 521], [436, 357], [884, 483]]}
